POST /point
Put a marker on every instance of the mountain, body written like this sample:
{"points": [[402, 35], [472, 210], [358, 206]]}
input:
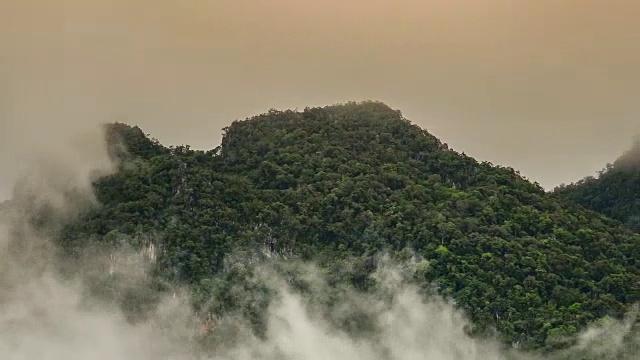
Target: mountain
{"points": [[615, 192], [340, 185]]}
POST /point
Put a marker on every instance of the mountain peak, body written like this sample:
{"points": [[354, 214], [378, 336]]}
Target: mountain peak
{"points": [[344, 183], [125, 140], [631, 158]]}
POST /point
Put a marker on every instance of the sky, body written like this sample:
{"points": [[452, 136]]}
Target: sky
{"points": [[548, 87]]}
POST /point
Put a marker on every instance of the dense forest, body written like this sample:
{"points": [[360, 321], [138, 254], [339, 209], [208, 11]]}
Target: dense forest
{"points": [[344, 185]]}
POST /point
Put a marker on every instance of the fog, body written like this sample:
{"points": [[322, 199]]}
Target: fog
{"points": [[544, 86]]}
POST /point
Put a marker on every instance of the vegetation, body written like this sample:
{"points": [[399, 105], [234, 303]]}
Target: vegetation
{"points": [[615, 192], [340, 185]]}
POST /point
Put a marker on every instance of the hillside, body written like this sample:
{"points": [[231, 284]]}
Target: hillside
{"points": [[341, 185], [615, 192]]}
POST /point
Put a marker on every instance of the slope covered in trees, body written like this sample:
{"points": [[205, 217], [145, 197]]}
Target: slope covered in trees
{"points": [[615, 192], [340, 185]]}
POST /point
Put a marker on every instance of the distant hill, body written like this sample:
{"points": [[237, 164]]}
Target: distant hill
{"points": [[615, 192], [342, 184]]}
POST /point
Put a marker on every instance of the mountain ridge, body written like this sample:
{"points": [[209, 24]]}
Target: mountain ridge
{"points": [[615, 192], [342, 183]]}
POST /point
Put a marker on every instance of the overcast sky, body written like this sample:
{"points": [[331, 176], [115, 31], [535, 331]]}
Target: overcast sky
{"points": [[549, 87]]}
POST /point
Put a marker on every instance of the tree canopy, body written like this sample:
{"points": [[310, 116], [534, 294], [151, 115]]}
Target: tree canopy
{"points": [[615, 192], [343, 184]]}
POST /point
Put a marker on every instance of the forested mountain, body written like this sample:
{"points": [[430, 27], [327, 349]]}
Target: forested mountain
{"points": [[341, 185], [615, 192]]}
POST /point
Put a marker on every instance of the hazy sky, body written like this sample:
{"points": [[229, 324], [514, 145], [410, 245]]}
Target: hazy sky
{"points": [[547, 86]]}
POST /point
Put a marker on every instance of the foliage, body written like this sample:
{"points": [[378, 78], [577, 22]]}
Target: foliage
{"points": [[615, 192], [340, 185]]}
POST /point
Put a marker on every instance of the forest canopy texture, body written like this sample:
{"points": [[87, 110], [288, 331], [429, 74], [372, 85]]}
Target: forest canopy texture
{"points": [[344, 185]]}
